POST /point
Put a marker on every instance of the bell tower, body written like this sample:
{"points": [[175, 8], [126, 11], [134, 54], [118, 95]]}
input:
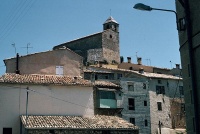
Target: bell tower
{"points": [[110, 41], [112, 24]]}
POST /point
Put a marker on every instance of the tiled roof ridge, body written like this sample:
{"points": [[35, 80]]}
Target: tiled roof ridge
{"points": [[44, 52], [43, 79], [76, 122], [52, 79], [145, 74]]}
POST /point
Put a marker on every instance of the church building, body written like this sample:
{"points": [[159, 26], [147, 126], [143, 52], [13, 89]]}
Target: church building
{"points": [[99, 47]]}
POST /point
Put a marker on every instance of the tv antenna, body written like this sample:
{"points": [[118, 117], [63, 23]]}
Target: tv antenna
{"points": [[14, 47], [27, 47]]}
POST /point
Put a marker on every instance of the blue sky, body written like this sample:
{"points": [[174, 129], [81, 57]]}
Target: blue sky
{"points": [[46, 23]]}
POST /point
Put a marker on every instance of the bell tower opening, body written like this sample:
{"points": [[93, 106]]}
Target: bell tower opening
{"points": [[112, 24]]}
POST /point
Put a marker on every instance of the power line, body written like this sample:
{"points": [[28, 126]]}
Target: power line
{"points": [[16, 19], [49, 96]]}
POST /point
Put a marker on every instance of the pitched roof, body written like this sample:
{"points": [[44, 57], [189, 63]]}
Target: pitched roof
{"points": [[76, 122], [145, 74], [50, 51], [106, 84], [51, 79], [110, 19]]}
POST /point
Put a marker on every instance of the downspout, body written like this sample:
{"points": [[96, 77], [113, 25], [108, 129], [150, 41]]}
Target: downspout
{"points": [[192, 64]]}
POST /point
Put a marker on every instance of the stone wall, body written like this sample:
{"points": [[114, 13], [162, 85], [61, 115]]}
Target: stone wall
{"points": [[171, 91], [139, 94], [94, 55], [110, 44], [82, 45]]}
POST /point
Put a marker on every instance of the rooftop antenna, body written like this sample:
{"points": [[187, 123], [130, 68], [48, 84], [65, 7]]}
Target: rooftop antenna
{"points": [[110, 12], [171, 63], [27, 47], [14, 47], [148, 61], [136, 54]]}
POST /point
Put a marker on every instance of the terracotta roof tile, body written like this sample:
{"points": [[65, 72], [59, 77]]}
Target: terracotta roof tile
{"points": [[51, 79], [76, 122], [43, 79], [145, 74]]}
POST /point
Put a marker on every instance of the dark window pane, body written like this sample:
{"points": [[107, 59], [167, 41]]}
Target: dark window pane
{"points": [[131, 103], [7, 130]]}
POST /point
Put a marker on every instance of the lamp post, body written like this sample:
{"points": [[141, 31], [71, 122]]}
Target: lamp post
{"points": [[144, 7], [188, 24]]}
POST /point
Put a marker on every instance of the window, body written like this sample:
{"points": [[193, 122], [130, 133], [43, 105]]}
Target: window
{"points": [[132, 120], [160, 90], [181, 90], [59, 70], [145, 123], [144, 86], [130, 68], [51, 131], [106, 94], [145, 103], [182, 107], [105, 131], [131, 104], [159, 105], [131, 87], [119, 76], [159, 82], [7, 130], [189, 70]]}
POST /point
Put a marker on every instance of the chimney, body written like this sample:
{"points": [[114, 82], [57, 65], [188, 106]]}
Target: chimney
{"points": [[129, 59], [17, 64], [139, 60], [177, 66], [75, 79], [141, 70]]}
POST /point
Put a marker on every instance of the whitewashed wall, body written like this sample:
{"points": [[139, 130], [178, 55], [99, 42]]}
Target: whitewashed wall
{"points": [[46, 100]]}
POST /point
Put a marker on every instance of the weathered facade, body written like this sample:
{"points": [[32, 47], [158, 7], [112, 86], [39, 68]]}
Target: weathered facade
{"points": [[146, 97], [57, 62], [102, 46], [189, 40]]}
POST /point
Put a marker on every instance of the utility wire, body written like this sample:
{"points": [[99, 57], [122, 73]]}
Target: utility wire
{"points": [[49, 96], [16, 21]]}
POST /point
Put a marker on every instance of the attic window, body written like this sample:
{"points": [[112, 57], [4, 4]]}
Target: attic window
{"points": [[59, 70], [111, 36]]}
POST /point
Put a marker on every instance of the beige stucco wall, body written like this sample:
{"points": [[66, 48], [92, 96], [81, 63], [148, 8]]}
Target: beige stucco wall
{"points": [[43, 100], [46, 62]]}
